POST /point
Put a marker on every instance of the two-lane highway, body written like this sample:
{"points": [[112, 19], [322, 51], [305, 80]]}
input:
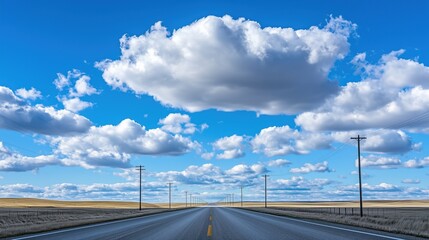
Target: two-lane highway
{"points": [[214, 223]]}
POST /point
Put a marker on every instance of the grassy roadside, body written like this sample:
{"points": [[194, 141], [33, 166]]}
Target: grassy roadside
{"points": [[399, 224], [35, 220]]}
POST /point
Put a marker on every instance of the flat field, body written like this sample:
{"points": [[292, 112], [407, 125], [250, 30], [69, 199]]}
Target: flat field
{"points": [[342, 204], [26, 215]]}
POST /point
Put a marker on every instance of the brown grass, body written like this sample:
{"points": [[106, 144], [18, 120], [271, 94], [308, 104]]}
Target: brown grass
{"points": [[18, 221], [410, 221], [28, 215], [348, 204], [34, 202]]}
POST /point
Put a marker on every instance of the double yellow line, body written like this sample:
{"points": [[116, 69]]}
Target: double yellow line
{"points": [[210, 228]]}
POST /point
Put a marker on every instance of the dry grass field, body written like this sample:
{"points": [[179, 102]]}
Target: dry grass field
{"points": [[409, 221], [341, 204], [33, 202], [26, 215], [409, 217]]}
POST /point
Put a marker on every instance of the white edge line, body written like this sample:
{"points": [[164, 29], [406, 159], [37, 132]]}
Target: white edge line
{"points": [[84, 227], [339, 228]]}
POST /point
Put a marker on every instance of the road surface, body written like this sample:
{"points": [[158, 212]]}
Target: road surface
{"points": [[213, 223]]}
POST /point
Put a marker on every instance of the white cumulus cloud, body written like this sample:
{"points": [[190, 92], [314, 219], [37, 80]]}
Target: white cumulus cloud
{"points": [[274, 141], [231, 64], [16, 114], [81, 88], [379, 162], [393, 95], [417, 163], [231, 147], [278, 163], [178, 123], [30, 94], [380, 140], [309, 167], [15, 162], [113, 145]]}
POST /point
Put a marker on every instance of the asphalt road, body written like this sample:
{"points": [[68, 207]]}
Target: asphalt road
{"points": [[212, 223]]}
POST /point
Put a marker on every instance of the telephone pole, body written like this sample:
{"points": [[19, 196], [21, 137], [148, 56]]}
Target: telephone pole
{"points": [[186, 198], [140, 168], [241, 196], [265, 176], [359, 138], [169, 195], [190, 200]]}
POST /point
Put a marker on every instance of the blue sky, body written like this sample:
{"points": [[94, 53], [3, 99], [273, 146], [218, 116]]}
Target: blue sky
{"points": [[212, 95]]}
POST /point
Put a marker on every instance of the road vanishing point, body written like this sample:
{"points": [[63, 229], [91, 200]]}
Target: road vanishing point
{"points": [[213, 223]]}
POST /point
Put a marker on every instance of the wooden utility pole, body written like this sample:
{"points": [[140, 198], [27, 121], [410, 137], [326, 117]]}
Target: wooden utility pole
{"points": [[265, 176], [241, 196], [359, 138], [140, 169], [169, 195]]}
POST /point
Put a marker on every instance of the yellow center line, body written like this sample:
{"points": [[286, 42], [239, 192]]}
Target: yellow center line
{"points": [[209, 231], [210, 228]]}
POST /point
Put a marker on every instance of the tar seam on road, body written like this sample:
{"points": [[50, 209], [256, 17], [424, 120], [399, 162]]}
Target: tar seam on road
{"points": [[339, 228]]}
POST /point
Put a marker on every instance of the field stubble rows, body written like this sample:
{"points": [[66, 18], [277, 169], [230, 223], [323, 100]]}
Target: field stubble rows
{"points": [[410, 221]]}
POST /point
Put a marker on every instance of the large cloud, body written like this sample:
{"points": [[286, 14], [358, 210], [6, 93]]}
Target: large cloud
{"points": [[231, 64], [113, 146], [394, 94], [16, 114]]}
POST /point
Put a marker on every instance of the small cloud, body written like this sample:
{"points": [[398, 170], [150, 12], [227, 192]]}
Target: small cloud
{"points": [[75, 104], [308, 168], [177, 123], [278, 163], [207, 156], [379, 162], [364, 175], [410, 181], [31, 94], [81, 88], [417, 163], [231, 146], [204, 126]]}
